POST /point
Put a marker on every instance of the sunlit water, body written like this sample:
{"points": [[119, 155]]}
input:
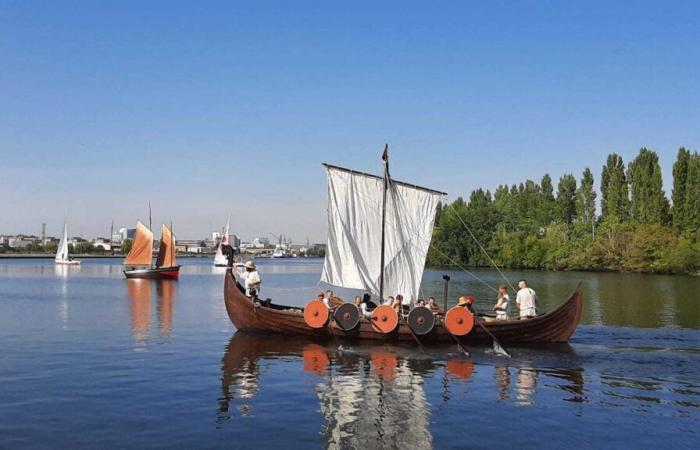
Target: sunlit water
{"points": [[91, 360]]}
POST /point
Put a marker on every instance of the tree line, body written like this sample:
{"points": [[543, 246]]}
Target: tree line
{"points": [[531, 226]]}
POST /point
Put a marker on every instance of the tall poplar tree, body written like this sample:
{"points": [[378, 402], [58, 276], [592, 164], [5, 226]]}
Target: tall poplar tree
{"points": [[648, 200], [692, 197], [547, 207], [585, 198], [680, 177], [566, 198], [613, 186]]}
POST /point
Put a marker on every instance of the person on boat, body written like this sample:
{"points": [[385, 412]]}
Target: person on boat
{"points": [[467, 301], [396, 304], [389, 301], [368, 299], [366, 305], [328, 299], [251, 277], [502, 306], [526, 300], [405, 304], [420, 302], [433, 306]]}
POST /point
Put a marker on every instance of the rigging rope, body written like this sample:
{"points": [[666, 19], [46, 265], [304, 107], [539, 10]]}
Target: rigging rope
{"points": [[481, 247], [485, 283]]}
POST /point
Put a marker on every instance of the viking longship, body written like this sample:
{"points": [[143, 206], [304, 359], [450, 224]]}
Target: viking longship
{"points": [[139, 262], [379, 231]]}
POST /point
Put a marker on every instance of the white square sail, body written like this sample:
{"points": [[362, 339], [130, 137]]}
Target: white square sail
{"points": [[353, 253]]}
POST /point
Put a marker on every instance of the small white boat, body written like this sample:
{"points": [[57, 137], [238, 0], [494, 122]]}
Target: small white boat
{"points": [[220, 259], [62, 256]]}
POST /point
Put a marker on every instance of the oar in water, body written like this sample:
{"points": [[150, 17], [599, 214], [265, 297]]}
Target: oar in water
{"points": [[497, 347], [460, 345]]}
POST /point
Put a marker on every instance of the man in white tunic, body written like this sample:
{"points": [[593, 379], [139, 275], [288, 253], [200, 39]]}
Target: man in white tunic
{"points": [[526, 300], [251, 277]]}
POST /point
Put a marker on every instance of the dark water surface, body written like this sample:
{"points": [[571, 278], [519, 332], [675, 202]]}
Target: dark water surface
{"points": [[91, 360]]}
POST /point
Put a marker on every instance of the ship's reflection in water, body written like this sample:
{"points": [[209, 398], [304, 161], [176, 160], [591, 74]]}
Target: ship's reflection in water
{"points": [[140, 293], [375, 396]]}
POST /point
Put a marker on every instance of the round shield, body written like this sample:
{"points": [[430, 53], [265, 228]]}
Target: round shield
{"points": [[384, 319], [347, 316], [459, 321], [421, 320], [316, 314]]}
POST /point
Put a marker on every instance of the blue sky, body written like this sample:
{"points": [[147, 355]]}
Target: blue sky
{"points": [[206, 108]]}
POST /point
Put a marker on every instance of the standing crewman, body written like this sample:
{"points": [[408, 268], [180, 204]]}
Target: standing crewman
{"points": [[526, 300], [252, 279]]}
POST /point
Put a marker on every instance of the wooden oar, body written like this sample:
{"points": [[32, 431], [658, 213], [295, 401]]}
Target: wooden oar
{"points": [[459, 344], [497, 346], [420, 346]]}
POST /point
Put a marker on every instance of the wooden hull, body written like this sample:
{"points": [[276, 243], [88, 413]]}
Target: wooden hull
{"points": [[556, 326], [158, 273]]}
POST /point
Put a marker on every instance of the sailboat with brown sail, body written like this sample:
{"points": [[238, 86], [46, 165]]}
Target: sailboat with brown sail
{"points": [[139, 261], [379, 232]]}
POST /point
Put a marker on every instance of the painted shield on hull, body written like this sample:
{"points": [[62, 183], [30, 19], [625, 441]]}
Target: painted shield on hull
{"points": [[459, 321], [384, 319], [347, 316], [421, 320], [316, 314]]}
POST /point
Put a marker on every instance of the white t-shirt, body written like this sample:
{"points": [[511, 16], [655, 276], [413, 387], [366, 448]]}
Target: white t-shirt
{"points": [[527, 302], [503, 302], [252, 280]]}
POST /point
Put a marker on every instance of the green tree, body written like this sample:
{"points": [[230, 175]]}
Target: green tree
{"points": [[585, 198], [126, 246], [649, 203], [613, 185], [547, 205], [83, 247], [50, 247], [680, 178], [566, 199], [692, 198]]}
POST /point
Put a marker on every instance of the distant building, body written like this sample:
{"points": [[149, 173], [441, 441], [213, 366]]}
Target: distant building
{"points": [[234, 241], [117, 238], [102, 243], [260, 242], [127, 233], [22, 242]]}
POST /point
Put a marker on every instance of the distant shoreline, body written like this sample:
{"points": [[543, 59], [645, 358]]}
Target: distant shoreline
{"points": [[95, 256], [76, 256]]}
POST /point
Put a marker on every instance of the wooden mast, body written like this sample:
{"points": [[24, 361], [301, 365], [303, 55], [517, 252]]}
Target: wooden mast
{"points": [[385, 158]]}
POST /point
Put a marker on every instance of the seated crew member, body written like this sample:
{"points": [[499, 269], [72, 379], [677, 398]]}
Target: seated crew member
{"points": [[368, 299], [328, 299], [252, 278], [389, 301], [526, 300], [502, 306], [467, 301], [366, 305], [396, 304], [433, 306], [420, 302]]}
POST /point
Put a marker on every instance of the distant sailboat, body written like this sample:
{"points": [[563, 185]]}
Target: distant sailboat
{"points": [[139, 261], [220, 260], [62, 256]]}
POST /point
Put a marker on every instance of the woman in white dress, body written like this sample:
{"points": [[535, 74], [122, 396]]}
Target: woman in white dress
{"points": [[502, 306]]}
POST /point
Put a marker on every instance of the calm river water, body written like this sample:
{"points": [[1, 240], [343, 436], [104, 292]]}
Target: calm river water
{"points": [[91, 360]]}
